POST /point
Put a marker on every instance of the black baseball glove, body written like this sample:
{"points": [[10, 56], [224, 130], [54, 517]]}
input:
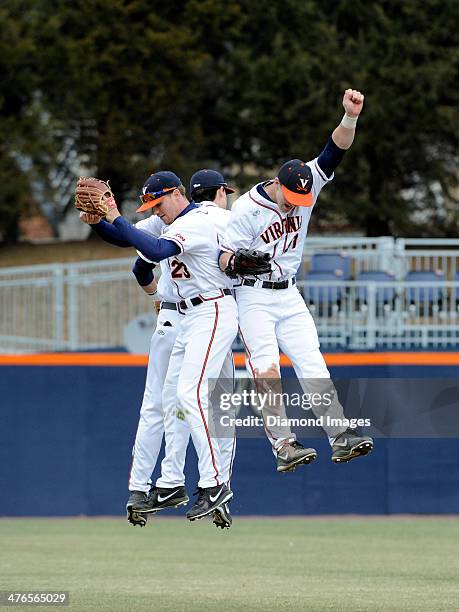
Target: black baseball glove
{"points": [[245, 262]]}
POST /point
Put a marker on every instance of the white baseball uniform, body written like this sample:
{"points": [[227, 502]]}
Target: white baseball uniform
{"points": [[273, 319], [158, 413], [207, 331]]}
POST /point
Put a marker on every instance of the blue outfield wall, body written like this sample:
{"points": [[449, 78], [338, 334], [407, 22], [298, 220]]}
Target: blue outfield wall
{"points": [[67, 434]]}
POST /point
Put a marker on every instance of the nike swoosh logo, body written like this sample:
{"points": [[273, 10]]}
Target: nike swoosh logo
{"points": [[161, 499], [212, 499]]}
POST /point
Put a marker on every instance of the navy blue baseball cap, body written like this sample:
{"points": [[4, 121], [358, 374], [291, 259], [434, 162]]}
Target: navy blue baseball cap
{"points": [[156, 187], [206, 179], [296, 179]]}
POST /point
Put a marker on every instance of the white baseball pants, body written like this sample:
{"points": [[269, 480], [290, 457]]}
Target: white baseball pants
{"points": [[173, 464], [206, 335], [156, 419], [152, 422], [270, 320]]}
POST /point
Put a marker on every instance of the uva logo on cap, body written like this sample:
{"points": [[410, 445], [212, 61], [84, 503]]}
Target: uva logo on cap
{"points": [[304, 185]]}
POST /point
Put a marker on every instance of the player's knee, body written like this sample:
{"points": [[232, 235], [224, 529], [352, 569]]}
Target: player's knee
{"points": [[266, 368], [312, 365], [183, 398], [151, 405]]}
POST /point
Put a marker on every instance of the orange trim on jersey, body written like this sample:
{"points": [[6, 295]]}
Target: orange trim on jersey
{"points": [[211, 299], [129, 360]]}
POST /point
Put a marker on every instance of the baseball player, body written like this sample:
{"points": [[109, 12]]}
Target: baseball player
{"points": [[190, 247], [153, 422], [209, 189], [273, 218]]}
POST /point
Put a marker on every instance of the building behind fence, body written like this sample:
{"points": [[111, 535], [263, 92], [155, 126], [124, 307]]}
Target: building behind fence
{"points": [[364, 294]]}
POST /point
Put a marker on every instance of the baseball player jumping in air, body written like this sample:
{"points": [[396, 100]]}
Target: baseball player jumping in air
{"points": [[209, 189], [273, 218], [190, 247]]}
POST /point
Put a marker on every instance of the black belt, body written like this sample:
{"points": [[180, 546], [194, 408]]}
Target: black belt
{"points": [[168, 306], [198, 300], [250, 282]]}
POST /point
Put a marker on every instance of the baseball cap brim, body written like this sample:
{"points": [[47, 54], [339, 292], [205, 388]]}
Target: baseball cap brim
{"points": [[229, 189], [151, 204], [297, 199]]}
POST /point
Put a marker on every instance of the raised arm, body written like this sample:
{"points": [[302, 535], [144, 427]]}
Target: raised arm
{"points": [[343, 135]]}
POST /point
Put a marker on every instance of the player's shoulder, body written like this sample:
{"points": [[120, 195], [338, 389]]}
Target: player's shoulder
{"points": [[152, 225], [210, 208], [195, 222], [245, 203], [192, 218], [318, 172], [255, 207]]}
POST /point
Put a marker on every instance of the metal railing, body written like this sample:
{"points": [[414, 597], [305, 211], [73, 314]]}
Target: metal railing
{"points": [[68, 306], [386, 254], [397, 314], [87, 305]]}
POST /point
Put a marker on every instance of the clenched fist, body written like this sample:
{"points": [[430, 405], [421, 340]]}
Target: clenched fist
{"points": [[353, 102]]}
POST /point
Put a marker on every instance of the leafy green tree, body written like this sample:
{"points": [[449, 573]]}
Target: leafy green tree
{"points": [[122, 85], [241, 85], [25, 148], [292, 62]]}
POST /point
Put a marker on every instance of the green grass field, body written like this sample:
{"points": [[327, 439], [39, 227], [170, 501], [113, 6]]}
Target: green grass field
{"points": [[260, 564]]}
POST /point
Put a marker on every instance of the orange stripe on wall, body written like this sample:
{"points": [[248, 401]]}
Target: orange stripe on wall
{"points": [[76, 359], [126, 359], [419, 359], [381, 359]]}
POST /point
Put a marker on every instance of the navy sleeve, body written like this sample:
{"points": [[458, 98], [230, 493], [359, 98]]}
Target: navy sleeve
{"points": [[143, 271], [330, 157], [151, 247], [110, 233]]}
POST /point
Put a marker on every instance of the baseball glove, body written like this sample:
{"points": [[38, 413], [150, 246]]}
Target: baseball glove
{"points": [[245, 262], [94, 196]]}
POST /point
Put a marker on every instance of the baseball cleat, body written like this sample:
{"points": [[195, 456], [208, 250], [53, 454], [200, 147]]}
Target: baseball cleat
{"points": [[209, 499], [292, 454], [221, 517], [348, 445], [161, 498], [136, 497]]}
